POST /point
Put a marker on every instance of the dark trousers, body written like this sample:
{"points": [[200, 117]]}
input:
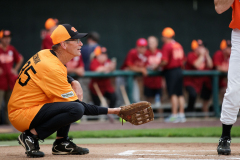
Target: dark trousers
{"points": [[110, 96], [192, 95], [58, 116]]}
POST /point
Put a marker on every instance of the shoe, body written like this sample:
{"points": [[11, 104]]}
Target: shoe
{"points": [[31, 145], [172, 119], [67, 147], [182, 119], [224, 146]]}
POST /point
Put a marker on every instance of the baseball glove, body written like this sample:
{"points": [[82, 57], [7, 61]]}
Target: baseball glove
{"points": [[137, 113]]}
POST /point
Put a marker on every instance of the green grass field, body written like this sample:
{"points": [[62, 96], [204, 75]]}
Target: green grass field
{"points": [[173, 132]]}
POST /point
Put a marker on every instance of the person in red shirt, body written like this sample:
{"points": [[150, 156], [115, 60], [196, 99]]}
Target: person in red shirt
{"points": [[136, 61], [153, 85], [221, 63], [198, 59], [76, 66], [101, 63], [50, 25], [172, 61], [10, 62]]}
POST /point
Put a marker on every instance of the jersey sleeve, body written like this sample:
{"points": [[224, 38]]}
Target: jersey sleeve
{"points": [[217, 61], [16, 55], [165, 53], [94, 65], [80, 62], [130, 59], [191, 59], [55, 85]]}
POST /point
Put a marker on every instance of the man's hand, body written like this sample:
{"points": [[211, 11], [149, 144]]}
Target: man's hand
{"points": [[14, 71], [77, 89], [1, 71]]}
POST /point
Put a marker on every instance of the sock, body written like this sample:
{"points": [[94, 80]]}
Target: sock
{"points": [[61, 140], [226, 131], [28, 133]]}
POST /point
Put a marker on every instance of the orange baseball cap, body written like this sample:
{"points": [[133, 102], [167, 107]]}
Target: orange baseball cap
{"points": [[141, 42], [196, 43], [97, 51], [64, 32], [224, 44], [168, 32], [5, 33], [50, 22], [1, 33]]}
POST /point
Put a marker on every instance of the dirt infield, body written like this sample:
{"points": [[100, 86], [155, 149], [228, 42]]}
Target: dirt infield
{"points": [[132, 151]]}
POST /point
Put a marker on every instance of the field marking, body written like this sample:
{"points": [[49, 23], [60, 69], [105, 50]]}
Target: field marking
{"points": [[162, 152], [4, 145], [166, 153]]}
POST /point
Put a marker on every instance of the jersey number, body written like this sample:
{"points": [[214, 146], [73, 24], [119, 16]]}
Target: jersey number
{"points": [[28, 67]]}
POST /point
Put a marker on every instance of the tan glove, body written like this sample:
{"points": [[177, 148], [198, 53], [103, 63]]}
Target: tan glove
{"points": [[137, 113]]}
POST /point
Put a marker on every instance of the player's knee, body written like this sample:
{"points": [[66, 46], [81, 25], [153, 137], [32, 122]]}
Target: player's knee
{"points": [[77, 111]]}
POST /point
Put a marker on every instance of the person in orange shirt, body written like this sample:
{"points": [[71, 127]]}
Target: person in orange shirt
{"points": [[230, 105], [45, 100], [50, 25]]}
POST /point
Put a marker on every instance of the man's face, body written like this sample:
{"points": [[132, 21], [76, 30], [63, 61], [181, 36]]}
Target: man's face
{"points": [[6, 41], [227, 51], [141, 49], [152, 43], [102, 58], [74, 47]]}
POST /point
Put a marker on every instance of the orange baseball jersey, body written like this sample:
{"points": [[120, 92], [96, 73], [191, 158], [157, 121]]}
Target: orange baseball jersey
{"points": [[235, 23], [43, 79]]}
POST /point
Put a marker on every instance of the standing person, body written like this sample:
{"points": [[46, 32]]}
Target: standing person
{"points": [[50, 25], [230, 106], [221, 63], [46, 100], [136, 61], [153, 85], [10, 63], [92, 43], [172, 61], [198, 59], [101, 63]]}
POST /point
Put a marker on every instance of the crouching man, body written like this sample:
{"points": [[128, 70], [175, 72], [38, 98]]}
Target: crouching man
{"points": [[45, 100]]}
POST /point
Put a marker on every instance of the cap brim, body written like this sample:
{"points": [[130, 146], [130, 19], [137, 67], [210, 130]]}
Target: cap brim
{"points": [[79, 35]]}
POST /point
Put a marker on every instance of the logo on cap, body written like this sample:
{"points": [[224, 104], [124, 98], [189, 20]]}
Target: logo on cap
{"points": [[73, 29]]}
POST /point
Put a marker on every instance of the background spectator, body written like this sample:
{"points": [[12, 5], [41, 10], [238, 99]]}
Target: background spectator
{"points": [[221, 63], [198, 59], [172, 61], [76, 66], [153, 85], [50, 25], [101, 63], [10, 62], [136, 61]]}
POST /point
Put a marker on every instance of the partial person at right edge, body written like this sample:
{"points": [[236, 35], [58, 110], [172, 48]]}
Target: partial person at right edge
{"points": [[172, 62], [230, 106]]}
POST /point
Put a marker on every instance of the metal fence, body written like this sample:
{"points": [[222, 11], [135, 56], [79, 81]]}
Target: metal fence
{"points": [[129, 75]]}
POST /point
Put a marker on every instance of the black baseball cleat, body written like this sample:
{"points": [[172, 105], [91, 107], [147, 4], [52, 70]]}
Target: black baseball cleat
{"points": [[31, 145], [224, 146], [67, 147]]}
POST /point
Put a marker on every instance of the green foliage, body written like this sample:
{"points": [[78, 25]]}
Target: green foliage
{"points": [[170, 132]]}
